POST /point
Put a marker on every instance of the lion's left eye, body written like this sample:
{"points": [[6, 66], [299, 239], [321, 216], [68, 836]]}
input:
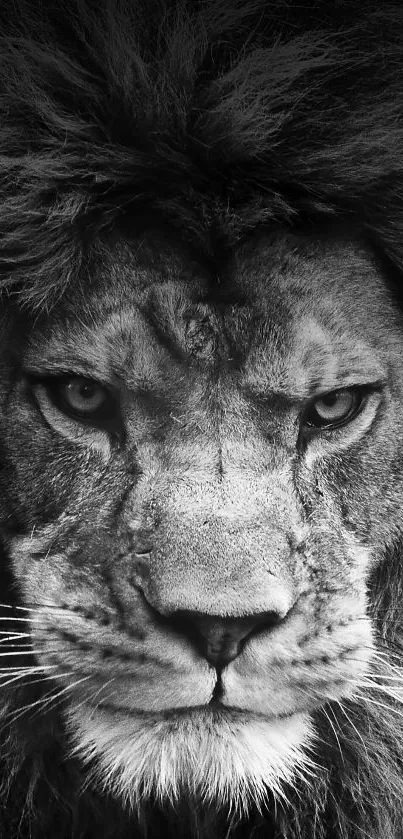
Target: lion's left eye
{"points": [[83, 395], [81, 398], [334, 408]]}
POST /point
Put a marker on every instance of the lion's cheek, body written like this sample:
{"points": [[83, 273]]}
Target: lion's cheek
{"points": [[284, 677], [158, 675]]}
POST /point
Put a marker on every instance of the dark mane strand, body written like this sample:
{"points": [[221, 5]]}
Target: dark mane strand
{"points": [[218, 116]]}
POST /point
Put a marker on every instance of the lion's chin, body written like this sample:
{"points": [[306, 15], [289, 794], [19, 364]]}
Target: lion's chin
{"points": [[227, 758]]}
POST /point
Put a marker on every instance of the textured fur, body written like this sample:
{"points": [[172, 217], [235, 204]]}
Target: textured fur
{"points": [[219, 122], [214, 119]]}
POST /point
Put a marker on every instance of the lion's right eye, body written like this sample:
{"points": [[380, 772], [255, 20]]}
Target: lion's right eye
{"points": [[82, 399], [83, 396]]}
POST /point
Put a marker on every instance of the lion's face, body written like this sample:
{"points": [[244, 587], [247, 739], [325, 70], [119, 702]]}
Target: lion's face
{"points": [[198, 485]]}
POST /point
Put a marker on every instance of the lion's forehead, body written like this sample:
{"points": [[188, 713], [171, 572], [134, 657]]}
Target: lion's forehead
{"points": [[296, 323], [321, 357], [322, 318]]}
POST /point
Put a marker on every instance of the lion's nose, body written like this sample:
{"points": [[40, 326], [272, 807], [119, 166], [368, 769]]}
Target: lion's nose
{"points": [[221, 639]]}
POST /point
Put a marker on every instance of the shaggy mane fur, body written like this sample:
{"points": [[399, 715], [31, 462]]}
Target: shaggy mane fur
{"points": [[214, 117]]}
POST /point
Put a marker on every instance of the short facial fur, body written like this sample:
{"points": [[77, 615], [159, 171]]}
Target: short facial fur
{"points": [[207, 495]]}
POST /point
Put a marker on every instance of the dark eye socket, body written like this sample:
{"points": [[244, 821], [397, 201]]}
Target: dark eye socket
{"points": [[335, 408], [83, 399]]}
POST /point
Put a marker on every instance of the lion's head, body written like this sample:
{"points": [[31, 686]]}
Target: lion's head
{"points": [[201, 511]]}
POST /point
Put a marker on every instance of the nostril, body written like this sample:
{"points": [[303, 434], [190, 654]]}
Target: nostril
{"points": [[220, 640]]}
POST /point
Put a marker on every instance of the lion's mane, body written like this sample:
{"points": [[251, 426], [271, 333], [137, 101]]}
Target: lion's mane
{"points": [[215, 117]]}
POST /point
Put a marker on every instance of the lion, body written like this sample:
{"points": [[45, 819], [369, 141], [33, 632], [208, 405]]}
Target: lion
{"points": [[201, 400]]}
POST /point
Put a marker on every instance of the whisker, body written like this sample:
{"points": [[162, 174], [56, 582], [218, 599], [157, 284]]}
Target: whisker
{"points": [[350, 722], [390, 652], [19, 676], [21, 651], [371, 701], [54, 699], [35, 607], [91, 698], [16, 634], [380, 678], [24, 652], [42, 701], [46, 678], [25, 671], [29, 671], [333, 727], [17, 637], [64, 690], [15, 674], [17, 619], [71, 686], [8, 667], [373, 675], [383, 689]]}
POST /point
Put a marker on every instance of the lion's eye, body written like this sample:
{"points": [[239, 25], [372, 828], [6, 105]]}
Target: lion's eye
{"points": [[334, 408], [81, 398], [83, 395]]}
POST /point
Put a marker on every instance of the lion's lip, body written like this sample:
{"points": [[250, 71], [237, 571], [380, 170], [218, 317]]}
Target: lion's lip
{"points": [[211, 709]]}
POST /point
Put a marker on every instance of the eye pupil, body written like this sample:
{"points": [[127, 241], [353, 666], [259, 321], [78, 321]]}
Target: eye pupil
{"points": [[85, 390], [329, 399]]}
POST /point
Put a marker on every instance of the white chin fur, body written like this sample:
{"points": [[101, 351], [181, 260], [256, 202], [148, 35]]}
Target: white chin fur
{"points": [[228, 759]]}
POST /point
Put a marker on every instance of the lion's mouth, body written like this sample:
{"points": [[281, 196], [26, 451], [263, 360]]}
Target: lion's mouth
{"points": [[215, 710]]}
